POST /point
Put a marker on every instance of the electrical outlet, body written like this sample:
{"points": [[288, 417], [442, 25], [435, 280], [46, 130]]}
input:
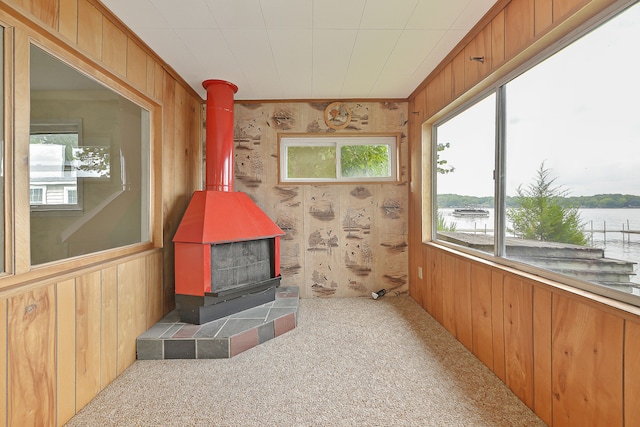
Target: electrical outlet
{"points": [[419, 272]]}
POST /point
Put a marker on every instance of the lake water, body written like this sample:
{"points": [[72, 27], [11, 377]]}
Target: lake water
{"points": [[615, 244]]}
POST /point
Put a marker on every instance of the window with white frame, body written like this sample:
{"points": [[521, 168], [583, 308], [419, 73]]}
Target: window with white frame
{"points": [[338, 158], [560, 143]]}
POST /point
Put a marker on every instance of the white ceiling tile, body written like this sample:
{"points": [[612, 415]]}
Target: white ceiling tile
{"points": [[138, 14], [331, 53], [287, 13], [412, 48], [450, 39], [385, 14], [237, 13], [337, 14], [475, 10], [436, 14], [371, 51], [303, 48], [252, 51], [292, 55], [185, 13]]}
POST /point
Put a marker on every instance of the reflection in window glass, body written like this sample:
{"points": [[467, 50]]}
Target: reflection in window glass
{"points": [[311, 162], [573, 144], [465, 158], [89, 164]]}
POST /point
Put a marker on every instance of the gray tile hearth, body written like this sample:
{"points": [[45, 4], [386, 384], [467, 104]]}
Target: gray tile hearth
{"points": [[223, 338]]}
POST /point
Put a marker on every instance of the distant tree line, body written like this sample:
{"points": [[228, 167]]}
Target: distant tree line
{"points": [[608, 201]]}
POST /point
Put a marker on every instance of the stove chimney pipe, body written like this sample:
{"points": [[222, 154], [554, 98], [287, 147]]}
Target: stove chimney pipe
{"points": [[219, 135]]}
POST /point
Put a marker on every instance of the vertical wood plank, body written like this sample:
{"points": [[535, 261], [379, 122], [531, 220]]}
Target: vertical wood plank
{"points": [[68, 25], [587, 348], [631, 373], [109, 327], [88, 325], [45, 10], [136, 65], [543, 16], [170, 210], [448, 293], [66, 355], [32, 358], [114, 47], [447, 80], [435, 95], [497, 324], [89, 29], [154, 289], [563, 8], [151, 77], [519, 26], [3, 362], [462, 302], [518, 338], [543, 404], [132, 313], [497, 40], [479, 46], [159, 79], [481, 313], [436, 267], [457, 75]]}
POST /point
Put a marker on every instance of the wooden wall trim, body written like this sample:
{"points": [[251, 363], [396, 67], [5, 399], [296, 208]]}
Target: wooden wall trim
{"points": [[627, 311], [27, 286]]}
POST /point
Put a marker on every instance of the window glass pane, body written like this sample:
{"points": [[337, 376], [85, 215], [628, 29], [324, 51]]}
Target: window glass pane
{"points": [[464, 181], [311, 162], [359, 161], [338, 158], [573, 144], [89, 164]]}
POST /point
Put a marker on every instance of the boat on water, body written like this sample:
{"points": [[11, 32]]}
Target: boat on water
{"points": [[470, 213]]}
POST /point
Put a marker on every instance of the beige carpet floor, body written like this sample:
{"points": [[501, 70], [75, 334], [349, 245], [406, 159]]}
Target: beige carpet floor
{"points": [[350, 362]]}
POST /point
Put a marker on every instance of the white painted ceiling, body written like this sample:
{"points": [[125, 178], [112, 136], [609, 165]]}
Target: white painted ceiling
{"points": [[303, 49]]}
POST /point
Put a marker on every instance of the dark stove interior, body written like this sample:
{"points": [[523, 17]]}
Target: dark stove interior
{"points": [[238, 264]]}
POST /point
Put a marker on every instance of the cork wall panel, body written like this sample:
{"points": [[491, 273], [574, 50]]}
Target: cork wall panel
{"points": [[340, 240]]}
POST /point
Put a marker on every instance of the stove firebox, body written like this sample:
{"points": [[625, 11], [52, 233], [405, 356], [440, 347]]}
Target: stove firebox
{"points": [[227, 250]]}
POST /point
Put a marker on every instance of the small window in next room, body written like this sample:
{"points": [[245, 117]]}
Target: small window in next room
{"points": [[344, 158]]}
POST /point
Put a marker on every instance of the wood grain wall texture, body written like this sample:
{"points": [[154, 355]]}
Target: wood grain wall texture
{"points": [[329, 248], [570, 358], [62, 341]]}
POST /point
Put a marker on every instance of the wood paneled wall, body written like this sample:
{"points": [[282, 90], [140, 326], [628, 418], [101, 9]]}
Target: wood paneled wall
{"points": [[65, 334], [570, 357]]}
